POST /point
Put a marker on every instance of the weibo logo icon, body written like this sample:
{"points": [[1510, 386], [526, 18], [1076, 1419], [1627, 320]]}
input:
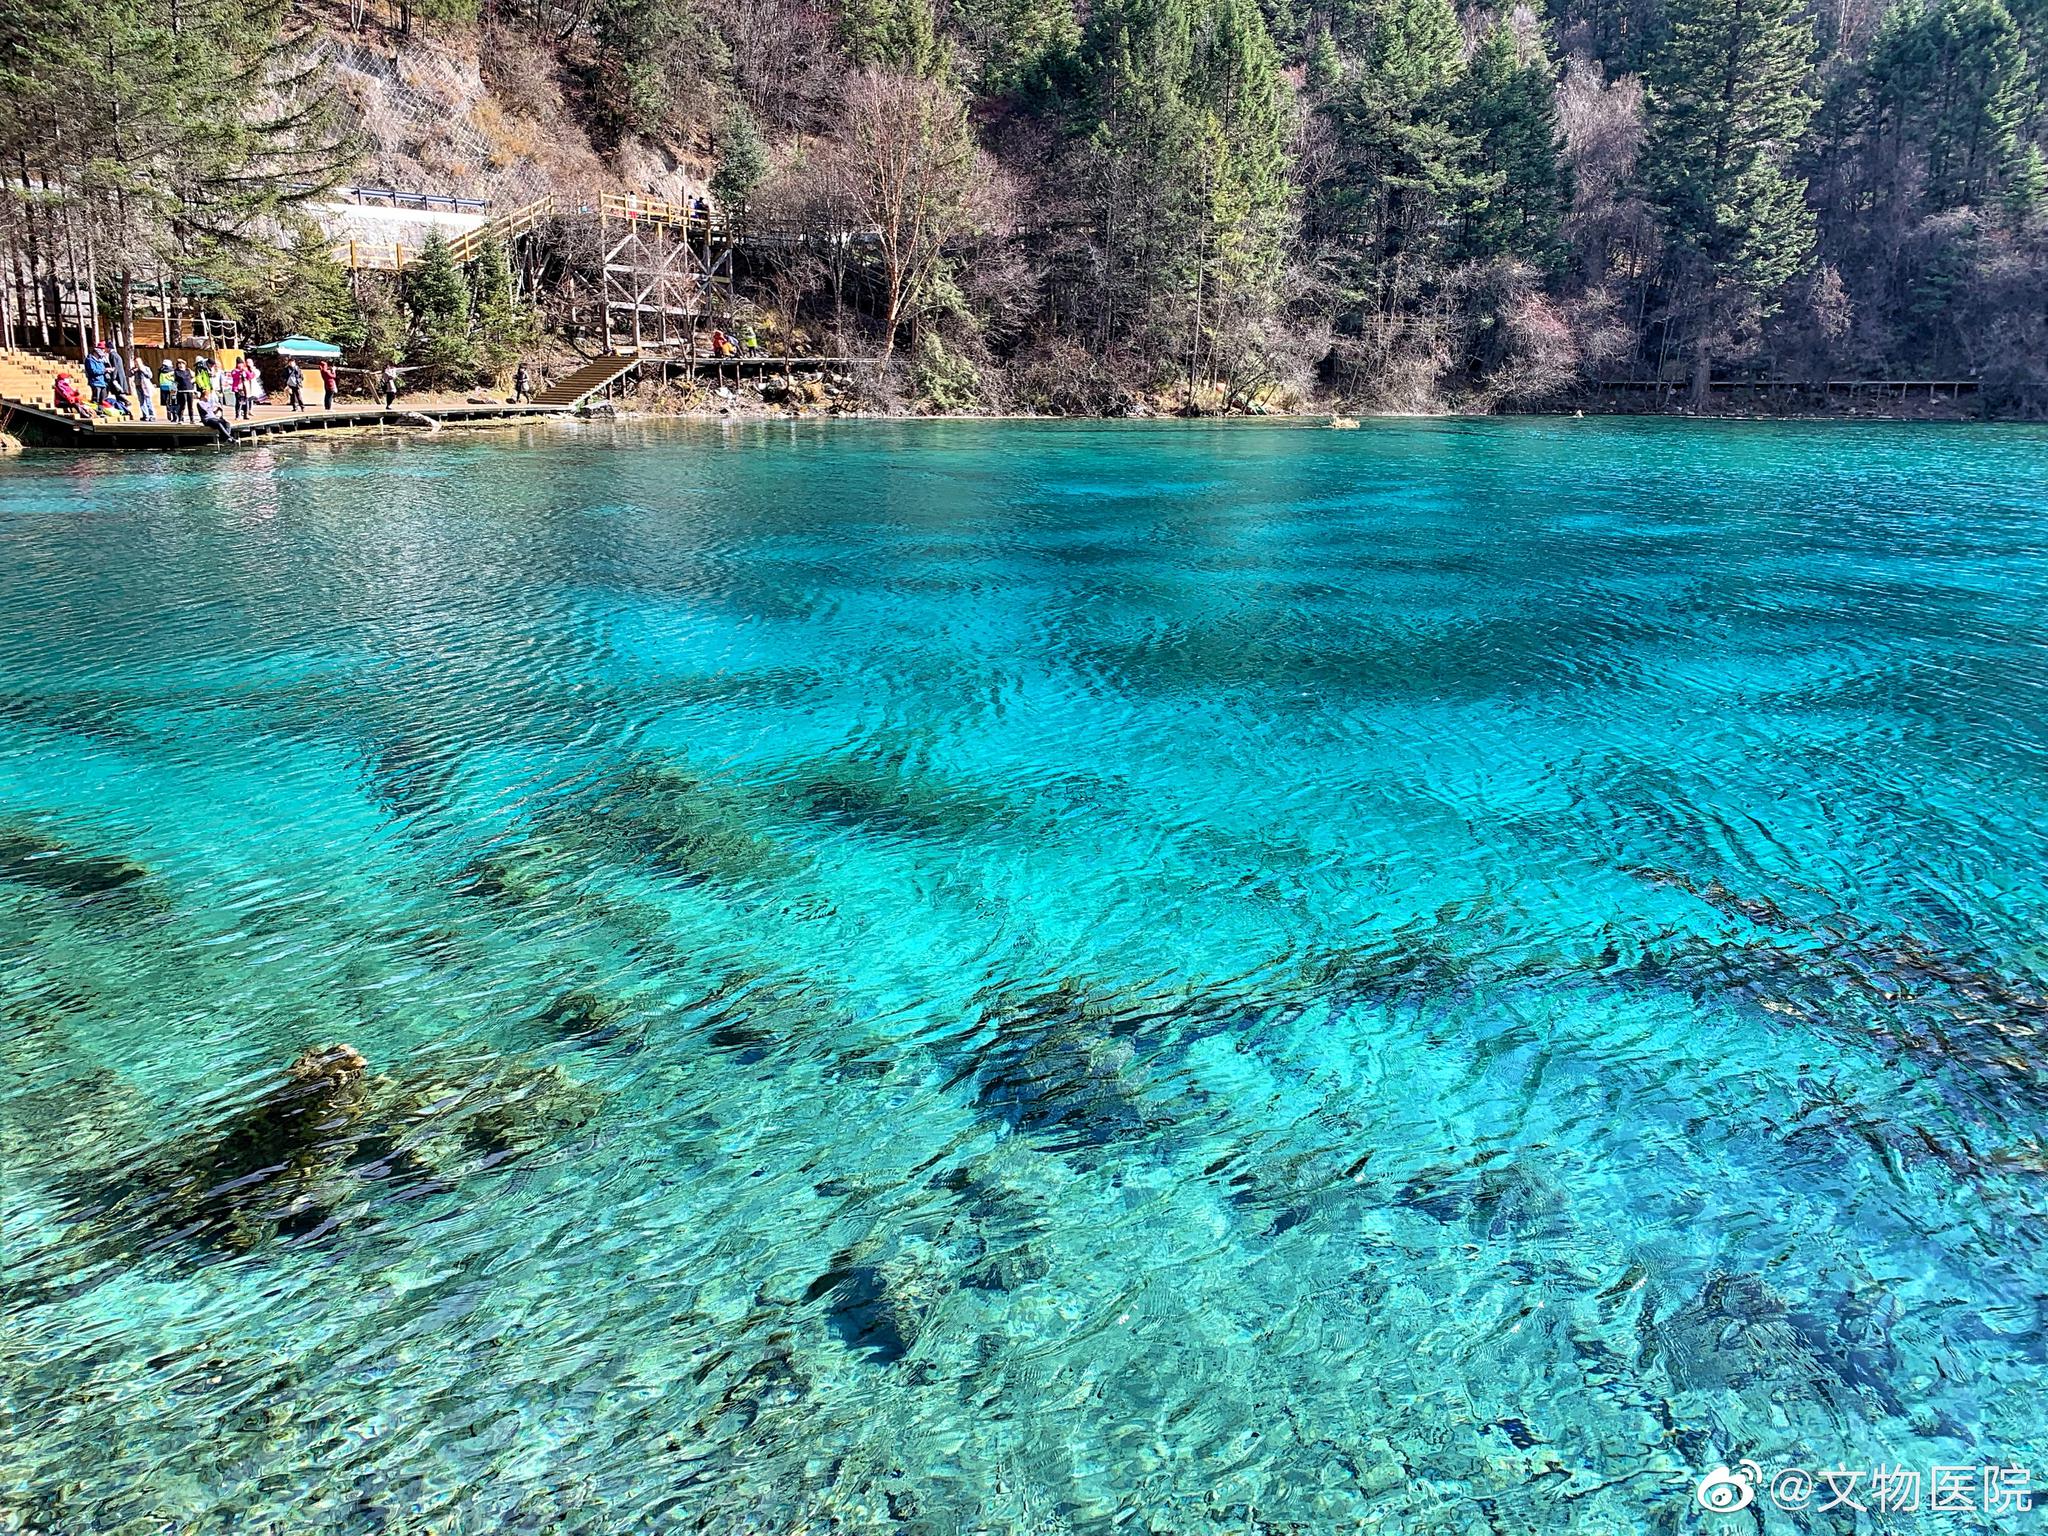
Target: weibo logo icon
{"points": [[1723, 1492]]}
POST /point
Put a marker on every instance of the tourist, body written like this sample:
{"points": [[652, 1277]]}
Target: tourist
{"points": [[749, 341], [188, 393], [114, 390], [242, 378], [96, 377], [167, 389], [295, 385], [145, 391], [211, 415], [202, 377], [519, 393], [390, 385], [64, 395], [326, 384]]}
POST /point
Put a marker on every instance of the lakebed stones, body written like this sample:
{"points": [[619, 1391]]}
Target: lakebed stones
{"points": [[29, 857], [1738, 1335], [680, 825], [882, 1296], [586, 1017], [886, 797], [316, 1146], [1062, 1064], [525, 873], [662, 818]]}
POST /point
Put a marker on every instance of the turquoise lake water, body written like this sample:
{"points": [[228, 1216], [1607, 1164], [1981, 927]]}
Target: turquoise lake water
{"points": [[947, 978]]}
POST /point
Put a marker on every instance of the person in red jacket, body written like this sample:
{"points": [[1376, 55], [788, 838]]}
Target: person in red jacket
{"points": [[65, 396]]}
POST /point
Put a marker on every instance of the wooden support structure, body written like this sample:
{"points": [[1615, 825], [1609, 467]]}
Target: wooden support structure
{"points": [[667, 268]]}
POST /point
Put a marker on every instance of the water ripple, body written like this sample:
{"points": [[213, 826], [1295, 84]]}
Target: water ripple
{"points": [[1029, 978]]}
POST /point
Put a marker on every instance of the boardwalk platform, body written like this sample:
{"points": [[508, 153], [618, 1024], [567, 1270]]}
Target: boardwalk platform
{"points": [[48, 428], [25, 409]]}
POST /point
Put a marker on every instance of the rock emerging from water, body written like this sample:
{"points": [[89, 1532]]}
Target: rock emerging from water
{"points": [[274, 1167], [319, 1145]]}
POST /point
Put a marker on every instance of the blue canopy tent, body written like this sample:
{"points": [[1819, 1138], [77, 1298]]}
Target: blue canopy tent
{"points": [[300, 347]]}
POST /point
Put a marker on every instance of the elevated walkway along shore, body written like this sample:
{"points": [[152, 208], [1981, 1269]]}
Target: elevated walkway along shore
{"points": [[26, 410], [46, 427]]}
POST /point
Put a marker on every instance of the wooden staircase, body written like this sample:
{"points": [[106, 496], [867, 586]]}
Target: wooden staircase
{"points": [[587, 380], [27, 378]]}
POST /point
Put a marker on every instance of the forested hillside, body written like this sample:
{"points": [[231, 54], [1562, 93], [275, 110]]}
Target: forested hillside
{"points": [[1389, 203]]}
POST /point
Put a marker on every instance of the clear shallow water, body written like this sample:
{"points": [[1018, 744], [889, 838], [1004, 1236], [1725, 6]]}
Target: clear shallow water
{"points": [[956, 978]]}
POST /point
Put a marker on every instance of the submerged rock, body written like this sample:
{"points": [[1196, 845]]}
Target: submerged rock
{"points": [[324, 1140], [883, 796], [1737, 1334], [773, 1382], [1062, 1063], [411, 775], [503, 1108], [586, 1017], [881, 1305], [678, 824], [274, 1167], [1496, 1194], [526, 872], [29, 857]]}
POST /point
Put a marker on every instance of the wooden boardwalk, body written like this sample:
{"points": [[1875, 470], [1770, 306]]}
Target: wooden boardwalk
{"points": [[48, 427], [26, 409]]}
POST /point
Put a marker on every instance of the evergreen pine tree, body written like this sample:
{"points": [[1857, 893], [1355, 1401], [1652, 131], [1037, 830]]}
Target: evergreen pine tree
{"points": [[2026, 187], [305, 292], [1417, 51], [1022, 45], [503, 325], [1728, 102], [1976, 98], [899, 35], [742, 159], [1401, 153], [1324, 71], [437, 303], [648, 55], [1515, 195], [1187, 158]]}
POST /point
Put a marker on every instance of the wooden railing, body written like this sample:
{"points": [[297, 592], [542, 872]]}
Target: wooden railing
{"points": [[464, 247]]}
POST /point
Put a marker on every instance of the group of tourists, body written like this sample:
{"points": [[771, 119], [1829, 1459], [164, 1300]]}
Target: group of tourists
{"points": [[747, 342], [201, 391]]}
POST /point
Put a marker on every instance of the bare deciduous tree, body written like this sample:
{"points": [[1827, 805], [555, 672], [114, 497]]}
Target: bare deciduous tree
{"points": [[908, 166]]}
